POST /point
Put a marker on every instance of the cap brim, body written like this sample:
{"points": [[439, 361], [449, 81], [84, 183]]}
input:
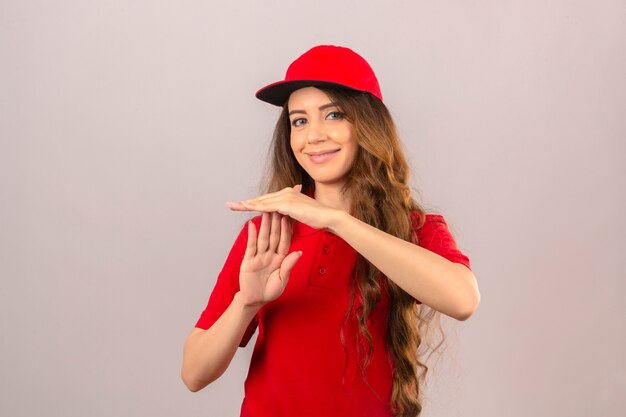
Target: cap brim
{"points": [[278, 93]]}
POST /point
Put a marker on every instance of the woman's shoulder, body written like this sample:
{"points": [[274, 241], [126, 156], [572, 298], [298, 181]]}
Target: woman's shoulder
{"points": [[435, 236], [420, 219], [429, 226]]}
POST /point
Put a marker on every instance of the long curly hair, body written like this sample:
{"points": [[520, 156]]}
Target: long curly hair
{"points": [[380, 196]]}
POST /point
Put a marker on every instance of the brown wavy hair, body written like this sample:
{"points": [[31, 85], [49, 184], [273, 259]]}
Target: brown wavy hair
{"points": [[380, 196]]}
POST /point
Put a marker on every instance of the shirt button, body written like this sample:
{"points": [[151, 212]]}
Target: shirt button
{"points": [[326, 250], [322, 270]]}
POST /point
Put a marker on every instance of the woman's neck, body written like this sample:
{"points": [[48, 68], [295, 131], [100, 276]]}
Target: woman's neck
{"points": [[331, 195]]}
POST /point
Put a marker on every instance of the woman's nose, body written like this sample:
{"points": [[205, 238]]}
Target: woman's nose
{"points": [[316, 132]]}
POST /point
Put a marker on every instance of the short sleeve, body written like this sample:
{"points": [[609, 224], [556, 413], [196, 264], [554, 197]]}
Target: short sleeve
{"points": [[435, 236], [227, 286]]}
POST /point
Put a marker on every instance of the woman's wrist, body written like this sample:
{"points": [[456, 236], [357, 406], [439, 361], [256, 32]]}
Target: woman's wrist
{"points": [[246, 307], [338, 219]]}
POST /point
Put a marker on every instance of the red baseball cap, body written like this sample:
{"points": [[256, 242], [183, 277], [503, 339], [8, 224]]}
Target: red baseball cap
{"points": [[323, 66]]}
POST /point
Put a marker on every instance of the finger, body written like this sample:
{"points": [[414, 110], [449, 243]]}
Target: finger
{"points": [[275, 231], [280, 203], [278, 279], [285, 236], [264, 234], [287, 265], [267, 205], [275, 286], [298, 187], [238, 206], [251, 246], [264, 197]]}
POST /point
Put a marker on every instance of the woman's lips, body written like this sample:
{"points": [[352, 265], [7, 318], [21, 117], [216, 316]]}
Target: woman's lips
{"points": [[319, 158]]}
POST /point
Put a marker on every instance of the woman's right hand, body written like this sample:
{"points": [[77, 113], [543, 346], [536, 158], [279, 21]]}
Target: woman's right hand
{"points": [[262, 278], [266, 265]]}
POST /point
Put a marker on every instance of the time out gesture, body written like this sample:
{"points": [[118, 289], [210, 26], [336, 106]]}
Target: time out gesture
{"points": [[443, 285], [290, 202], [266, 265]]}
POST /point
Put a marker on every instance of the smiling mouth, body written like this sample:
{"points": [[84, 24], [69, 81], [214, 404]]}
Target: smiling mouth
{"points": [[319, 157], [322, 152]]}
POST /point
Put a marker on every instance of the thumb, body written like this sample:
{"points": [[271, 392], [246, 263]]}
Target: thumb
{"points": [[288, 263], [279, 278], [298, 187]]}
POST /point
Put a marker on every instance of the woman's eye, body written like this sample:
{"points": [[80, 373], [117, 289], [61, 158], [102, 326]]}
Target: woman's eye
{"points": [[298, 122], [335, 115]]}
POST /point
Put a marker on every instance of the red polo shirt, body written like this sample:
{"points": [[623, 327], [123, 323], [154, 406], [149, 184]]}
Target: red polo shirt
{"points": [[300, 365]]}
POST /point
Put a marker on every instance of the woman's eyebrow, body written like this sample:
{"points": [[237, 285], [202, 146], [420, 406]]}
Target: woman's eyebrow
{"points": [[323, 107]]}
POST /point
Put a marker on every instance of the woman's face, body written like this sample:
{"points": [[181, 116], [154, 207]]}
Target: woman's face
{"points": [[322, 140]]}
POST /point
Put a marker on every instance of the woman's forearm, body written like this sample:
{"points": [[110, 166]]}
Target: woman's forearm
{"points": [[207, 353], [445, 286]]}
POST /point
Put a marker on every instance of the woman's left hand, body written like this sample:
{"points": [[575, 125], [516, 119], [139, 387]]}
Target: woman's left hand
{"points": [[290, 202]]}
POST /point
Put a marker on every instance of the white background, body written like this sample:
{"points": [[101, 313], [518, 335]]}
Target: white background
{"points": [[125, 126]]}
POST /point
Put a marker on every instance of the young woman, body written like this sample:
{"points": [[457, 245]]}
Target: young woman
{"points": [[343, 271]]}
